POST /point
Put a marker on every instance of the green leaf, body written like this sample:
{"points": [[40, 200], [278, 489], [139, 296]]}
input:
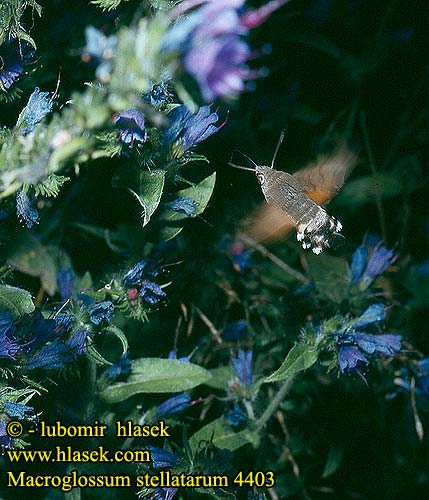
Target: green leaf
{"points": [[172, 221], [145, 186], [17, 300], [299, 358], [120, 335], [222, 435], [154, 375], [220, 377], [30, 257], [335, 457]]}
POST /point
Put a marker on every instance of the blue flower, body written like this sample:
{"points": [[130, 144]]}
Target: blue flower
{"points": [[190, 129], [19, 410], [103, 311], [120, 368], [65, 281], [185, 206], [382, 344], [101, 50], [141, 270], [63, 322], [241, 258], [77, 342], [374, 313], [25, 210], [51, 357], [242, 365], [349, 358], [84, 300], [420, 372], [152, 294], [5, 440], [38, 106], [352, 342], [358, 263], [164, 493], [236, 416], [235, 332], [132, 126], [379, 261], [175, 404], [13, 57], [173, 355], [162, 459], [422, 380], [158, 96], [6, 321], [33, 331]]}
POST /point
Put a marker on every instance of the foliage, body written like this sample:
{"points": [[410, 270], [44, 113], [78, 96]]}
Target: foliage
{"points": [[130, 288]]}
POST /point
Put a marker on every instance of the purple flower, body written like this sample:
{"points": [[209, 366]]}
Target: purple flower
{"points": [[242, 365], [185, 206], [214, 52], [175, 404], [374, 313], [25, 210], [152, 294], [162, 459], [235, 332], [349, 358], [103, 311], [19, 411], [120, 368], [218, 67], [379, 261], [383, 344], [65, 281], [189, 129], [132, 126]]}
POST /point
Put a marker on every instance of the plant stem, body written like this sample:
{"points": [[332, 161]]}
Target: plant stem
{"points": [[274, 404]]}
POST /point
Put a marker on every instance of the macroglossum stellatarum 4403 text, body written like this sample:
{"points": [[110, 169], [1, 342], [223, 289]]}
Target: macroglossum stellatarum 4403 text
{"points": [[293, 200]]}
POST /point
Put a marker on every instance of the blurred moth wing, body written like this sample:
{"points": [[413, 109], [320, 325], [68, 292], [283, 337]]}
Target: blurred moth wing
{"points": [[293, 201]]}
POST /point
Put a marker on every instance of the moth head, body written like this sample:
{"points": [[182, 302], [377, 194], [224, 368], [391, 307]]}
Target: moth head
{"points": [[260, 175]]}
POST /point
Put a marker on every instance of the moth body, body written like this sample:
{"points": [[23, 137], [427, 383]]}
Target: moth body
{"points": [[315, 227]]}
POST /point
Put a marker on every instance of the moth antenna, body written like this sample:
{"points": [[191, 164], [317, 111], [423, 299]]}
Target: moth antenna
{"points": [[243, 154], [279, 143]]}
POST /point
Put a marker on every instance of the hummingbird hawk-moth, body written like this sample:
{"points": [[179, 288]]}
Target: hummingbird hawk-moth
{"points": [[294, 200]]}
